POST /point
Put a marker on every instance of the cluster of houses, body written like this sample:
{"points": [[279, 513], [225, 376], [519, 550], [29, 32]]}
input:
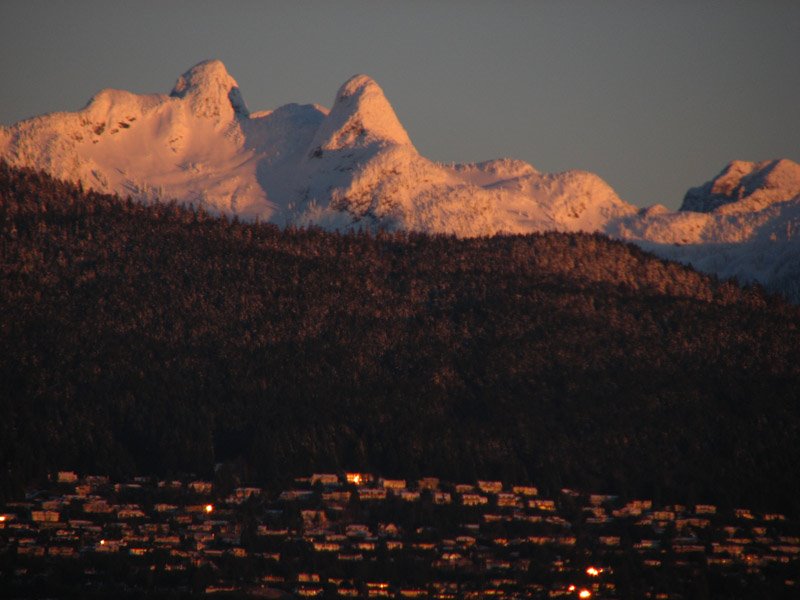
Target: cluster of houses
{"points": [[354, 535]]}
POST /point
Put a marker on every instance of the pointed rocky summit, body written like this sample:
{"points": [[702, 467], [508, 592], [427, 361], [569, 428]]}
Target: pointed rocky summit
{"points": [[361, 116], [211, 91]]}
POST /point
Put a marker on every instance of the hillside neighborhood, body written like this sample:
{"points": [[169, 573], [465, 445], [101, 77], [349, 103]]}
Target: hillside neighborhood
{"points": [[339, 535]]}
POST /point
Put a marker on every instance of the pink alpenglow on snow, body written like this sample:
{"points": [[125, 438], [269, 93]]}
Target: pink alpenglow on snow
{"points": [[356, 167]]}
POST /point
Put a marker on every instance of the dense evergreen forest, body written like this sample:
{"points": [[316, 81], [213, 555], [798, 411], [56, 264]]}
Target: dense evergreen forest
{"points": [[159, 339]]}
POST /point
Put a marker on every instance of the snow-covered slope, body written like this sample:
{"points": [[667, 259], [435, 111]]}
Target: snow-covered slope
{"points": [[356, 167]]}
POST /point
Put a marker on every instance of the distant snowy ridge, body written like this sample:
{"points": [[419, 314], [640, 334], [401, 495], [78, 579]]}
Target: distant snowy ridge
{"points": [[352, 166], [356, 167], [744, 223], [746, 186]]}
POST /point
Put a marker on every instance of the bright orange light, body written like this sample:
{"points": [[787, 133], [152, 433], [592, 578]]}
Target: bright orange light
{"points": [[593, 571], [209, 508], [571, 588], [584, 594], [355, 478], [102, 542], [2, 518]]}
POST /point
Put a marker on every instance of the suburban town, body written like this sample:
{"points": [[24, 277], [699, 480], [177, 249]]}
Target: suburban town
{"points": [[356, 535]]}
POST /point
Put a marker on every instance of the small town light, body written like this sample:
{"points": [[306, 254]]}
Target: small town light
{"points": [[571, 588], [355, 478], [2, 518], [593, 571], [102, 542], [584, 594], [209, 508]]}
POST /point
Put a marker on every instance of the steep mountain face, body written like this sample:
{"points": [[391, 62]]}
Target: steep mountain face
{"points": [[356, 167]]}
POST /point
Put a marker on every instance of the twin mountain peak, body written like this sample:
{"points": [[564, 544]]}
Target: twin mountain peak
{"points": [[354, 166]]}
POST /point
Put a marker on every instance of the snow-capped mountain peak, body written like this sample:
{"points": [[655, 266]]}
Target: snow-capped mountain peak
{"points": [[746, 186], [361, 116], [210, 91]]}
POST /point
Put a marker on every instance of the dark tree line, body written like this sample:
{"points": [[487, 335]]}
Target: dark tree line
{"points": [[159, 339]]}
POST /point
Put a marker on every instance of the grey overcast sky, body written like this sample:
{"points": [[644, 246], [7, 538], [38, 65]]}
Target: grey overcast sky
{"points": [[655, 97]]}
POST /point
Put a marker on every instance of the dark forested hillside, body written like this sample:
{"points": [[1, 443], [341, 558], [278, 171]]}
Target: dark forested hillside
{"points": [[158, 339]]}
